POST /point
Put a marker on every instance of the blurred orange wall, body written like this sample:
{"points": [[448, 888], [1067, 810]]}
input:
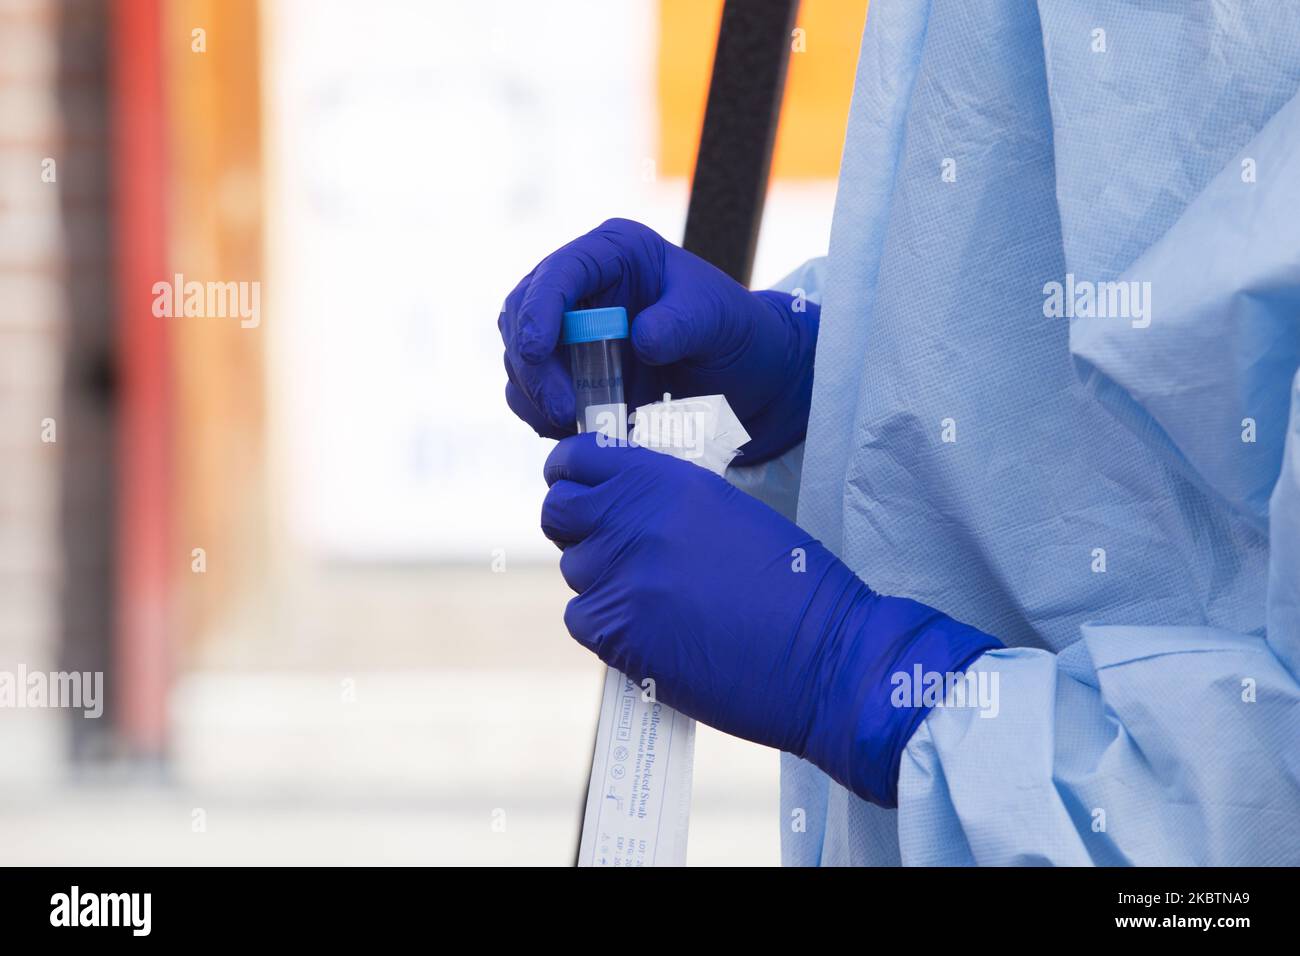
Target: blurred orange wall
{"points": [[215, 121]]}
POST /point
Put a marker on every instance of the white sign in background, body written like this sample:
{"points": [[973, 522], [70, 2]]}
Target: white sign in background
{"points": [[421, 158]]}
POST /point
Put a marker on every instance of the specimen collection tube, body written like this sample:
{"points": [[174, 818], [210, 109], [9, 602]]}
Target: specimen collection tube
{"points": [[595, 339]]}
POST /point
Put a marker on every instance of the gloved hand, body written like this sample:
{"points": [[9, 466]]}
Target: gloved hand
{"points": [[694, 331], [743, 620]]}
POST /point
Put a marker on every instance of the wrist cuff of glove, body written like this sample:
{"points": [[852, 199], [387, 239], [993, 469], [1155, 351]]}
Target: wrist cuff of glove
{"points": [[878, 648]]}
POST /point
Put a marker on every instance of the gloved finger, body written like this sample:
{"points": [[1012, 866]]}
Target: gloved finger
{"points": [[508, 320], [590, 459], [527, 409], [569, 513], [583, 562], [582, 622], [548, 385], [524, 409], [585, 267]]}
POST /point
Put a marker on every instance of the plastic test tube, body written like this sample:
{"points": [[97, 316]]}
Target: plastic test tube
{"points": [[594, 338]]}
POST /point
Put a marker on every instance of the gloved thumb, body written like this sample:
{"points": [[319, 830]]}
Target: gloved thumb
{"points": [[590, 459], [680, 327], [569, 513]]}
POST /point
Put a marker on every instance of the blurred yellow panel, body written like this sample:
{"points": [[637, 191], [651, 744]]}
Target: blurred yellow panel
{"points": [[823, 58]]}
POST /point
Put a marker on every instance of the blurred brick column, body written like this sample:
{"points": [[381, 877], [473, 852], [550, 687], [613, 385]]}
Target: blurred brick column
{"points": [[51, 143]]}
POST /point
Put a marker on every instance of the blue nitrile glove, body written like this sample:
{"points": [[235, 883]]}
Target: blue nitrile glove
{"points": [[694, 330], [742, 619]]}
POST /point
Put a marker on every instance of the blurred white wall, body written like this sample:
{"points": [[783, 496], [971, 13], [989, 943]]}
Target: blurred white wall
{"points": [[424, 156]]}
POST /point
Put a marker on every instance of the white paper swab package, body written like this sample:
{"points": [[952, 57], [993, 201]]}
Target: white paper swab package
{"points": [[639, 799]]}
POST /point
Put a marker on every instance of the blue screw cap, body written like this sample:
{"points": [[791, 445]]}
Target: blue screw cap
{"points": [[594, 325]]}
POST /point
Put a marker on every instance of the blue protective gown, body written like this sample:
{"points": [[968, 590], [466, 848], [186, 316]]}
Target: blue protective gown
{"points": [[1116, 497]]}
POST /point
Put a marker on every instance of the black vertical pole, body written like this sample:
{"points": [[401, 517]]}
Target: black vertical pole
{"points": [[740, 123]]}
